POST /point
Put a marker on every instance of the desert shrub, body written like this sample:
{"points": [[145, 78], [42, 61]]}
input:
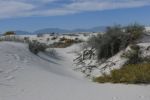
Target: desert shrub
{"points": [[54, 38], [133, 55], [110, 43], [60, 44], [35, 47], [70, 41], [55, 44], [135, 30], [62, 39], [47, 39], [132, 74], [27, 39], [64, 42], [115, 39], [94, 40], [9, 33], [76, 39]]}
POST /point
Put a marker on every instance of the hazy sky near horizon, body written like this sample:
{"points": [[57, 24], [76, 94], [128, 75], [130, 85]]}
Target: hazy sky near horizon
{"points": [[31, 15]]}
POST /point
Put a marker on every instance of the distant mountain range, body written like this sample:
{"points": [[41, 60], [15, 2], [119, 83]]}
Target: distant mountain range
{"points": [[19, 32], [59, 30]]}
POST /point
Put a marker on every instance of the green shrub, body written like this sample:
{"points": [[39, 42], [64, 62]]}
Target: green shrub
{"points": [[132, 74]]}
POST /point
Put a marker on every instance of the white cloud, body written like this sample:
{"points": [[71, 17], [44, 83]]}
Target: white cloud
{"points": [[12, 8], [90, 5], [22, 8]]}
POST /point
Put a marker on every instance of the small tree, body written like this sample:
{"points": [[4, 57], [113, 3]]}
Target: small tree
{"points": [[9, 33]]}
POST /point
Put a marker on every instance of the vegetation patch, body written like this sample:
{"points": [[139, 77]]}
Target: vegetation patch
{"points": [[9, 33], [64, 42], [115, 39], [130, 74], [133, 55], [54, 38], [36, 47]]}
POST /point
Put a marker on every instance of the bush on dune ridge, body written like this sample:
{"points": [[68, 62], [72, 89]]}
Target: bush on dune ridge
{"points": [[115, 39]]}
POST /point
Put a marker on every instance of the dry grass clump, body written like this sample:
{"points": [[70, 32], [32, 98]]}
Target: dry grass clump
{"points": [[131, 74], [64, 42]]}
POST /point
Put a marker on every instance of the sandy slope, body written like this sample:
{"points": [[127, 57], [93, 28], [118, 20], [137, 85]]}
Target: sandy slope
{"points": [[24, 76]]}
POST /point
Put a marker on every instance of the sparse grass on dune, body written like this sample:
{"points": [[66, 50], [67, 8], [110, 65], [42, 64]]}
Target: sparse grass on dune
{"points": [[130, 74], [65, 42]]}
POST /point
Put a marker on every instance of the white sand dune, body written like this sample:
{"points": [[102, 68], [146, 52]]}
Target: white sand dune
{"points": [[25, 76]]}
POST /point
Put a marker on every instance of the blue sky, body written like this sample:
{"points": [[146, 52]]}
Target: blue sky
{"points": [[70, 14]]}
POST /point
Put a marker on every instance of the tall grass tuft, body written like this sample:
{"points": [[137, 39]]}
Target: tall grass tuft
{"points": [[130, 74]]}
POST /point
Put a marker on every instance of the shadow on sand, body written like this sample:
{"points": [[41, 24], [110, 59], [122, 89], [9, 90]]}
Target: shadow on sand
{"points": [[50, 57]]}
